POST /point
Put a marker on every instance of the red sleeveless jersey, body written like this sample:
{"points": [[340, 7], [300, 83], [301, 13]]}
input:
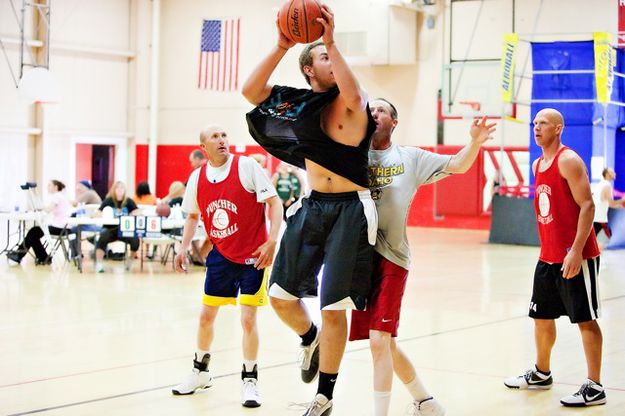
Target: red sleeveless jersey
{"points": [[234, 220], [557, 215]]}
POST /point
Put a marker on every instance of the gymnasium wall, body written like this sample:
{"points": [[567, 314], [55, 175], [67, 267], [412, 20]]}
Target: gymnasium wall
{"points": [[104, 75]]}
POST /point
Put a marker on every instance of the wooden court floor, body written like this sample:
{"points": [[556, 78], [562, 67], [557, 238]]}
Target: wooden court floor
{"points": [[115, 343]]}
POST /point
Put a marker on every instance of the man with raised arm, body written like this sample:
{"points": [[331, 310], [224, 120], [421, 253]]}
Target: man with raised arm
{"points": [[326, 130], [395, 174]]}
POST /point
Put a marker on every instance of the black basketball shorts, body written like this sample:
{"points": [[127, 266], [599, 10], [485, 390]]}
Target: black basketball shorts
{"points": [[336, 231], [554, 296]]}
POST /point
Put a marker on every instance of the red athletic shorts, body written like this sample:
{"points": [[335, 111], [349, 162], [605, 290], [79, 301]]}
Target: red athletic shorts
{"points": [[387, 290]]}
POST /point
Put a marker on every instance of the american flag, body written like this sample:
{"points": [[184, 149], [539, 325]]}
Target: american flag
{"points": [[219, 55]]}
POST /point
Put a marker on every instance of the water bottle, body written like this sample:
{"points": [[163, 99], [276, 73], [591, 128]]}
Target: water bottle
{"points": [[81, 210]]}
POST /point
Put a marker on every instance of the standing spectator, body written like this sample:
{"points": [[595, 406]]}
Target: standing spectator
{"points": [[197, 158], [287, 184], [603, 198]]}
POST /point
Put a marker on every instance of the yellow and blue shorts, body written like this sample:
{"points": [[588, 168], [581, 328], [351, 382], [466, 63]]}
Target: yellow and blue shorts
{"points": [[225, 280]]}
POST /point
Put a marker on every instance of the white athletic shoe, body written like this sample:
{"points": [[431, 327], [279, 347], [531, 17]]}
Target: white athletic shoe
{"points": [[99, 267], [590, 394], [531, 380], [427, 407], [320, 406], [199, 379], [250, 397], [309, 359]]}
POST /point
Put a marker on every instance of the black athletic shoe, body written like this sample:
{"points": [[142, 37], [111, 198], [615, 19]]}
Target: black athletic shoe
{"points": [[532, 380], [309, 359]]}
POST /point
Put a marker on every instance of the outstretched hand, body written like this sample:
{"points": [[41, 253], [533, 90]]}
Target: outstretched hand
{"points": [[327, 21], [481, 131], [283, 42]]}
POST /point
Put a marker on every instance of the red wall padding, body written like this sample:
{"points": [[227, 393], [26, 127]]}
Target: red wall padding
{"points": [[455, 202], [172, 164], [461, 194]]}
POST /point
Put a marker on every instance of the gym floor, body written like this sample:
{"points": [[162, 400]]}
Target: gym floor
{"points": [[115, 343]]}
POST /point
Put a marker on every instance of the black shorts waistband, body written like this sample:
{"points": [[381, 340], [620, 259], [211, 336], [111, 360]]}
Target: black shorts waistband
{"points": [[338, 196]]}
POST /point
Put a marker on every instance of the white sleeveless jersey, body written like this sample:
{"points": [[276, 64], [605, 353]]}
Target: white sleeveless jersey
{"points": [[601, 206]]}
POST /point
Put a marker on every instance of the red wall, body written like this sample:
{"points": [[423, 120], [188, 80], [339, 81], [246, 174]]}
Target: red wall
{"points": [[84, 154], [455, 202], [172, 164]]}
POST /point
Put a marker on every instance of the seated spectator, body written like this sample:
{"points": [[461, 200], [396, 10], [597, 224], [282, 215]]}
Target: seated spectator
{"points": [[121, 205], [143, 195], [176, 192], [85, 194], [59, 208]]}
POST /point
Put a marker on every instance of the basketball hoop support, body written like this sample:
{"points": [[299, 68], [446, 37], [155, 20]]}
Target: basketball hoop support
{"points": [[40, 9]]}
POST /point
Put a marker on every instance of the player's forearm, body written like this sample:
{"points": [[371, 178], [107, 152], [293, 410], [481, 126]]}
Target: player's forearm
{"points": [[254, 87], [275, 218], [190, 225], [464, 159], [354, 97], [584, 225]]}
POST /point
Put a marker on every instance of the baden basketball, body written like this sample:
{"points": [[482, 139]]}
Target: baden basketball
{"points": [[297, 20], [163, 209]]}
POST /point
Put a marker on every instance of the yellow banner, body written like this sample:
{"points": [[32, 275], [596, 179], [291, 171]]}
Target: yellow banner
{"points": [[605, 59], [508, 57]]}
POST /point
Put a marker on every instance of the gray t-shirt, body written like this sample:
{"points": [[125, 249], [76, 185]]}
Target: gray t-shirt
{"points": [[394, 176]]}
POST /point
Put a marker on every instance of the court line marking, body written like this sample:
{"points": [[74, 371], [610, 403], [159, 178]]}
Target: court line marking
{"points": [[136, 392]]}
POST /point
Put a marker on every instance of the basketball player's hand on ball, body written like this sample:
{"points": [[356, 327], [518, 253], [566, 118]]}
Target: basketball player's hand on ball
{"points": [[327, 21], [181, 261], [481, 131], [283, 42], [265, 254], [572, 264]]}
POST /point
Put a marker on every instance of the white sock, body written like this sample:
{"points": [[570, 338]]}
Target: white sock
{"points": [[248, 365], [199, 354], [381, 402], [417, 389]]}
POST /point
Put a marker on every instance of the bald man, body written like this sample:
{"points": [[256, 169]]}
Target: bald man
{"points": [[230, 192], [566, 276], [197, 158]]}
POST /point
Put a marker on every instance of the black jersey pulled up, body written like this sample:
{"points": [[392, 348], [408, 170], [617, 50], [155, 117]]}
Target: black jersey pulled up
{"points": [[288, 126]]}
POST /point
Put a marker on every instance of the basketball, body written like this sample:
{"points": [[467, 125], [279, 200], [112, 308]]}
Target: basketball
{"points": [[297, 20], [163, 210]]}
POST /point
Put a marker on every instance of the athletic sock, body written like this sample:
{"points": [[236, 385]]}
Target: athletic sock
{"points": [[417, 390], [199, 354], [326, 384], [309, 336], [381, 402], [250, 369], [544, 373]]}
